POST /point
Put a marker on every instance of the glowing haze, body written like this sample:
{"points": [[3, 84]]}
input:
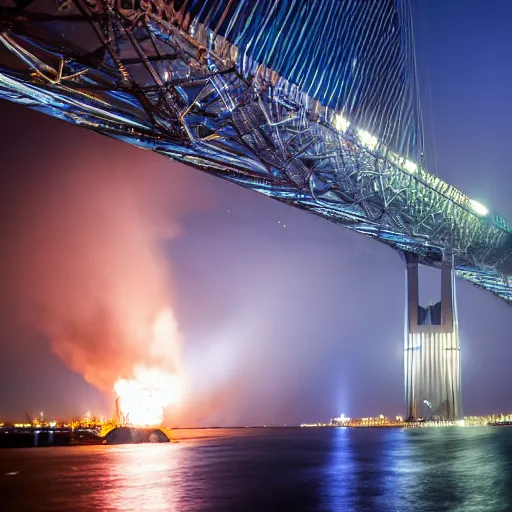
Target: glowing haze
{"points": [[86, 268]]}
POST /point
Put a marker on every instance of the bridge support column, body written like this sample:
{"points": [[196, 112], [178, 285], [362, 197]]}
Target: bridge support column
{"points": [[431, 351]]}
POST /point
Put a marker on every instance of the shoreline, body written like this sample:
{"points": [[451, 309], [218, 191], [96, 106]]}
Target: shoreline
{"points": [[41, 438]]}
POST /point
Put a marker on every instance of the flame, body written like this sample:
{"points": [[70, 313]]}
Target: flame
{"points": [[143, 398], [155, 384]]}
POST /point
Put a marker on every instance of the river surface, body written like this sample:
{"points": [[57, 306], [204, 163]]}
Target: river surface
{"points": [[443, 469]]}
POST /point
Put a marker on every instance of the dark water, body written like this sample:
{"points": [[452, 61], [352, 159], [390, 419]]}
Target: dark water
{"points": [[455, 469]]}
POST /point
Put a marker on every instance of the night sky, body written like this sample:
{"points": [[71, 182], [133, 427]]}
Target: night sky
{"points": [[278, 324]]}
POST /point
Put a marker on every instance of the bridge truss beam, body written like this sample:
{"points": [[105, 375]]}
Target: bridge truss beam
{"points": [[147, 77]]}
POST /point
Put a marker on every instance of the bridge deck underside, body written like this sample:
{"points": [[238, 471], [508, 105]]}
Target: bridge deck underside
{"points": [[148, 81]]}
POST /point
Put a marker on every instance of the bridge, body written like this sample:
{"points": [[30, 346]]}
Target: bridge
{"points": [[313, 103]]}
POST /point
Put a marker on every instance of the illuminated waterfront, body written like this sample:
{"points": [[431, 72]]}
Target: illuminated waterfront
{"points": [[101, 426], [398, 421]]}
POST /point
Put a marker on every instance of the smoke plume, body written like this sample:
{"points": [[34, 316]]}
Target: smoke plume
{"points": [[85, 222]]}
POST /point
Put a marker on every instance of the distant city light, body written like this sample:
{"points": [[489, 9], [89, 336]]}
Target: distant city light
{"points": [[367, 139], [342, 419], [478, 207], [340, 123]]}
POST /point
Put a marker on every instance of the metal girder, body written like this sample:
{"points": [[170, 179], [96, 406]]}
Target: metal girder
{"points": [[151, 77]]}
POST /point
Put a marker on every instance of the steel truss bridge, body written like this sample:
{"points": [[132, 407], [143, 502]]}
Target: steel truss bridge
{"points": [[313, 103]]}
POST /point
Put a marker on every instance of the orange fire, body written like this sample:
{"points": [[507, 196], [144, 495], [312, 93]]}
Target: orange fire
{"points": [[143, 398], [151, 387]]}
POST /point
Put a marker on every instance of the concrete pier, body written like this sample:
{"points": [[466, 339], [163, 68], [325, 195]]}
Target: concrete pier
{"points": [[432, 364]]}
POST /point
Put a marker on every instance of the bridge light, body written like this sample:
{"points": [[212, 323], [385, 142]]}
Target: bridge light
{"points": [[367, 139], [410, 166], [340, 123], [478, 207]]}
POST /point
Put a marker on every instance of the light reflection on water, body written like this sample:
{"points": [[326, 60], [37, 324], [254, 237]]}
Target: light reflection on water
{"points": [[449, 469], [459, 469], [138, 477]]}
